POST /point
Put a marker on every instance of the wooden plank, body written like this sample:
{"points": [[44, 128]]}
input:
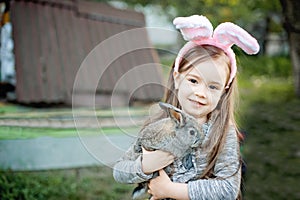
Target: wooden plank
{"points": [[100, 33], [40, 53], [28, 56], [84, 43], [95, 57], [70, 55], [129, 60], [18, 50], [63, 62], [123, 64], [110, 75], [137, 39], [50, 2], [52, 52], [144, 57]]}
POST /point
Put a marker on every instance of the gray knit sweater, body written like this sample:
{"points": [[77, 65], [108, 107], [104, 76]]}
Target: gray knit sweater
{"points": [[226, 185]]}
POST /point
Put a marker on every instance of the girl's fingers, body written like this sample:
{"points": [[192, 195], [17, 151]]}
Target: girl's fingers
{"points": [[162, 173]]}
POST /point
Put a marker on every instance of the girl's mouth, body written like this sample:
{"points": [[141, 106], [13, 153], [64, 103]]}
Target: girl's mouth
{"points": [[197, 103]]}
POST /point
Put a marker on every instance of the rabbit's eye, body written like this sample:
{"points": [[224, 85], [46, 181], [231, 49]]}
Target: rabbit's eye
{"points": [[192, 132]]}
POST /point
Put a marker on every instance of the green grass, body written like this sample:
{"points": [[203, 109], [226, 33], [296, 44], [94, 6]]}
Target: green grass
{"points": [[86, 183], [272, 122], [9, 133], [9, 108], [17, 112], [269, 114], [14, 111]]}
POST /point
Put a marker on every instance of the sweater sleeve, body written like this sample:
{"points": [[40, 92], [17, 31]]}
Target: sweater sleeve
{"points": [[128, 169], [227, 170]]}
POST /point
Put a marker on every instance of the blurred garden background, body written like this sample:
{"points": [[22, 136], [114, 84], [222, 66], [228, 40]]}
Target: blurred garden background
{"points": [[268, 113]]}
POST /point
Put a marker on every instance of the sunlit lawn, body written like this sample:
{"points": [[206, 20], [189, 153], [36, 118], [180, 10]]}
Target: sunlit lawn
{"points": [[269, 114]]}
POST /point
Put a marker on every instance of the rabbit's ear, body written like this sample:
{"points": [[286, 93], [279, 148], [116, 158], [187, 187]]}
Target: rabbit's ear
{"points": [[174, 113], [178, 117], [167, 106], [175, 116]]}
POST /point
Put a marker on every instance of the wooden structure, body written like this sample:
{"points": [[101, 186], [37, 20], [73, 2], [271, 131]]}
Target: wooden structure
{"points": [[54, 40]]}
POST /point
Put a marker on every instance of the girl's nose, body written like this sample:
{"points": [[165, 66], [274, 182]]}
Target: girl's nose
{"points": [[201, 91]]}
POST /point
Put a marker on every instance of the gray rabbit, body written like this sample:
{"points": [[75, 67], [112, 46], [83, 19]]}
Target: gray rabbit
{"points": [[177, 134]]}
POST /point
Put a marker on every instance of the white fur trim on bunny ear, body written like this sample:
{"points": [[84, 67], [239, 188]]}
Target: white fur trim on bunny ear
{"points": [[182, 52], [229, 34], [194, 27]]}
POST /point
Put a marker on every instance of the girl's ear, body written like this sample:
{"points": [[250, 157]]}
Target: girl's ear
{"points": [[176, 77]]}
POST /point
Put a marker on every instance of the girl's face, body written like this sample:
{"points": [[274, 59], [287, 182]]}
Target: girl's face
{"points": [[201, 87]]}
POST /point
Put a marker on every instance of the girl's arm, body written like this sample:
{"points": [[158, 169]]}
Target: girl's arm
{"points": [[135, 167], [128, 169], [162, 187], [225, 186], [227, 170]]}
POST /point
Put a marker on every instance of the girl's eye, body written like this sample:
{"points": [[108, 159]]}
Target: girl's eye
{"points": [[213, 87], [194, 81]]}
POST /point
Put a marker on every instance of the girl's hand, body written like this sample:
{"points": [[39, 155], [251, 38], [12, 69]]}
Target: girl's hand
{"points": [[160, 186], [155, 160]]}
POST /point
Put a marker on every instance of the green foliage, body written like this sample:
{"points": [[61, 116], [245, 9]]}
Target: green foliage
{"points": [[268, 67], [35, 186], [216, 10], [86, 183], [270, 117]]}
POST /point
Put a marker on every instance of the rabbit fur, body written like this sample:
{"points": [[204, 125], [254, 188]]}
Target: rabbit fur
{"points": [[176, 134]]}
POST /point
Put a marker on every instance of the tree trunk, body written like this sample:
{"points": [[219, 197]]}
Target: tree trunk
{"points": [[291, 15]]}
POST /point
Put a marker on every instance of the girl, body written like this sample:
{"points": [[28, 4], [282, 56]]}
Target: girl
{"points": [[202, 83]]}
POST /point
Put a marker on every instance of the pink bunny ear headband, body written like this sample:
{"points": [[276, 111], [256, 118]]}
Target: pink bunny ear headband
{"points": [[198, 30]]}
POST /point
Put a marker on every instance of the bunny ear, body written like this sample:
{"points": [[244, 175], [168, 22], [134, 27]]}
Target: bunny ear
{"points": [[194, 27], [174, 113], [167, 106], [228, 34]]}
